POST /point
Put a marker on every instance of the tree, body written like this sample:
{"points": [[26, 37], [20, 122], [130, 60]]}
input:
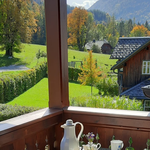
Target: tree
{"points": [[89, 28], [112, 35], [100, 32], [39, 37], [139, 31], [147, 25], [90, 73], [77, 27], [17, 24]]}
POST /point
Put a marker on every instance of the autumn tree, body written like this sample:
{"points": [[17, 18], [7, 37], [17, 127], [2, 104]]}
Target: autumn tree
{"points": [[39, 36], [90, 73], [139, 30], [77, 27], [17, 24]]}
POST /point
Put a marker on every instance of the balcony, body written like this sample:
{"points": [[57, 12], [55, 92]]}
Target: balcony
{"points": [[41, 129]]}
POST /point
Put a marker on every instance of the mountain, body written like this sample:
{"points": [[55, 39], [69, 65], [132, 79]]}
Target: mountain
{"points": [[69, 9], [125, 9]]}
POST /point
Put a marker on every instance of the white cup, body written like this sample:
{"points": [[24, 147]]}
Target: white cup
{"points": [[116, 144]]}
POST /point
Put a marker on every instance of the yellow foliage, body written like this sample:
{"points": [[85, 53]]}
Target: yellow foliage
{"points": [[75, 21], [90, 73], [139, 30]]}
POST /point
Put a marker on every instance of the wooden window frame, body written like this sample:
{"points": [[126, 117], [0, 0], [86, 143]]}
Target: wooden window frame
{"points": [[146, 67]]}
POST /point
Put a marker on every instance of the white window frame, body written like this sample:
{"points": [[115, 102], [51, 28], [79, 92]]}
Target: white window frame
{"points": [[146, 67]]}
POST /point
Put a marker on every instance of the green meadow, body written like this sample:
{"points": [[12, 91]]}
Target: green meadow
{"points": [[28, 57], [37, 96]]}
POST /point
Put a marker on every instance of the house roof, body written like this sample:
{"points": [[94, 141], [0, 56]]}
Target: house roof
{"points": [[136, 91], [127, 48], [98, 43]]}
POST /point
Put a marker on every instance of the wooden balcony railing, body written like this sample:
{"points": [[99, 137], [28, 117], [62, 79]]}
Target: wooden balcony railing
{"points": [[41, 129], [33, 131]]}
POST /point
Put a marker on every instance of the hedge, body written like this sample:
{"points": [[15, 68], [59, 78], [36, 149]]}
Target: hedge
{"points": [[9, 111], [12, 86], [73, 73]]}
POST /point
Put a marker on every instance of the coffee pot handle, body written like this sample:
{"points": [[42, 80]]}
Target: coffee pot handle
{"points": [[79, 135]]}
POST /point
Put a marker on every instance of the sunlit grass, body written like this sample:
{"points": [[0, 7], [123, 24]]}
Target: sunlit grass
{"points": [[37, 96], [28, 57]]}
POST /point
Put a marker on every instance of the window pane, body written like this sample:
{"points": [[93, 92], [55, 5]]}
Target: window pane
{"points": [[144, 69]]}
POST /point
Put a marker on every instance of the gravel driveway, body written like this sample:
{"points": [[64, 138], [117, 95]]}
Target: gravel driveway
{"points": [[13, 68]]}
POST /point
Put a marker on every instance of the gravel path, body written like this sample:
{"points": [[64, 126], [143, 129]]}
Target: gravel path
{"points": [[13, 68]]}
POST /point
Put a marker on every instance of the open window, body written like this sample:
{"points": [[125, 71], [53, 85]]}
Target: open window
{"points": [[146, 67]]}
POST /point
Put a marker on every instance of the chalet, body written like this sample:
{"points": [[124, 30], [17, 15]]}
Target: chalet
{"points": [[41, 129], [133, 65], [103, 45]]}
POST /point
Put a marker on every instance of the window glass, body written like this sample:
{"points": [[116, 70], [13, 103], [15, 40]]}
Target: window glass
{"points": [[146, 67]]}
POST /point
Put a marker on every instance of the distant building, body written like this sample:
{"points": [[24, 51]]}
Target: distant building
{"points": [[103, 45]]}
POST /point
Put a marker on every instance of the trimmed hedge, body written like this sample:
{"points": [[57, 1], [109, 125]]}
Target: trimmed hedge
{"points": [[9, 111], [73, 73], [14, 85]]}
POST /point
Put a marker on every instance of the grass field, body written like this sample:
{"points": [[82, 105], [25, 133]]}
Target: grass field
{"points": [[28, 57], [38, 95]]}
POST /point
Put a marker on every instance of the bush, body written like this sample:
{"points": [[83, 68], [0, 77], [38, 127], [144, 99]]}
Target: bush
{"points": [[108, 86], [96, 49], [9, 111], [73, 73], [13, 86], [1, 91], [107, 102]]}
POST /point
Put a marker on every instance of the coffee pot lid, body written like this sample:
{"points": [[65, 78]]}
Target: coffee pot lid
{"points": [[69, 122]]}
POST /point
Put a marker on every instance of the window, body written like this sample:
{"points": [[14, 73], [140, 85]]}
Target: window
{"points": [[146, 67]]}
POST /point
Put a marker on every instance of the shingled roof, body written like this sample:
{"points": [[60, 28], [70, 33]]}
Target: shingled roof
{"points": [[128, 47], [136, 91]]}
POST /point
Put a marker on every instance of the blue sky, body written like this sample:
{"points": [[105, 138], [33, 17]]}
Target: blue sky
{"points": [[85, 3]]}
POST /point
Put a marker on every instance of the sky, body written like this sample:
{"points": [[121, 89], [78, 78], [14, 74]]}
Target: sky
{"points": [[85, 3]]}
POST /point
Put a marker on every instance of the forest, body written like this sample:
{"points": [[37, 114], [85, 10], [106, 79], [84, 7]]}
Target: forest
{"points": [[82, 26]]}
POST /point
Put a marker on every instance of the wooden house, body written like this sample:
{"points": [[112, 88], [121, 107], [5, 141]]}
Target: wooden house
{"points": [[42, 129], [103, 45], [133, 65]]}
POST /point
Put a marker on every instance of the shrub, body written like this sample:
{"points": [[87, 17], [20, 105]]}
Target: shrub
{"points": [[107, 102], [96, 49], [12, 86], [1, 92], [9, 111], [108, 86], [73, 73]]}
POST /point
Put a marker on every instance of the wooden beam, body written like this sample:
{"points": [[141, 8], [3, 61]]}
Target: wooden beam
{"points": [[57, 53]]}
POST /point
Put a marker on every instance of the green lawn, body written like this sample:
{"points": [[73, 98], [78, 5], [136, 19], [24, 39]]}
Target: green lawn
{"points": [[28, 57], [38, 95], [103, 60]]}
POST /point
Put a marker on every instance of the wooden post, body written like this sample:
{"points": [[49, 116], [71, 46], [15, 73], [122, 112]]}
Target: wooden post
{"points": [[57, 53]]}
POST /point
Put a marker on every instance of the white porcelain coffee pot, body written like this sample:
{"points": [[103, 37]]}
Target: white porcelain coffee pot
{"points": [[70, 141]]}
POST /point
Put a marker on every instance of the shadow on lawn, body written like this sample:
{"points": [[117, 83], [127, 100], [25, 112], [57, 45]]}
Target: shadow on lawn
{"points": [[75, 82], [5, 61]]}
